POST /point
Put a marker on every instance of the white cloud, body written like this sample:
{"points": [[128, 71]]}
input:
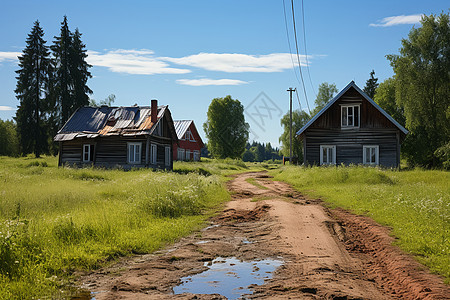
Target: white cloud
{"points": [[4, 56], [6, 108], [235, 62], [140, 62], [397, 20], [207, 81]]}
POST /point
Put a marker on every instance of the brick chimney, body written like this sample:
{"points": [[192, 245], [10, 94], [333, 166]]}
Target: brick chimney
{"points": [[154, 111]]}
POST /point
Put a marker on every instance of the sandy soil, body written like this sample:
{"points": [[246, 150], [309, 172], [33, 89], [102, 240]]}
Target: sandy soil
{"points": [[327, 254]]}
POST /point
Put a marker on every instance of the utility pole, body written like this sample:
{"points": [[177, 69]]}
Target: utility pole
{"points": [[290, 90]]}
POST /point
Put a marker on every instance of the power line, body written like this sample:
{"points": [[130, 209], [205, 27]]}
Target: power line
{"points": [[306, 53], [289, 43], [298, 57], [298, 99]]}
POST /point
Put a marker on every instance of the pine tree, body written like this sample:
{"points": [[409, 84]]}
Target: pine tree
{"points": [[71, 72], [63, 81], [31, 91], [371, 85], [80, 73]]}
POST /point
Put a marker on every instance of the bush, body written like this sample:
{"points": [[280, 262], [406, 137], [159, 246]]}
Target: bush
{"points": [[443, 154]]}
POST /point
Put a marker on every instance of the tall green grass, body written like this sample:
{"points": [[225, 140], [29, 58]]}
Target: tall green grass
{"points": [[415, 203], [54, 221]]}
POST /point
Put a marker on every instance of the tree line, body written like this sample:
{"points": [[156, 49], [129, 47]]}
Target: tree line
{"points": [[51, 85], [417, 96]]}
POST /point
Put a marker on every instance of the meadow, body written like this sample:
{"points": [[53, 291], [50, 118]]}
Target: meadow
{"points": [[414, 203], [55, 221]]}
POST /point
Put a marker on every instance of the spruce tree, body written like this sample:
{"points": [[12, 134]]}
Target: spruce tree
{"points": [[63, 81], [371, 85], [71, 73], [80, 73], [31, 91]]}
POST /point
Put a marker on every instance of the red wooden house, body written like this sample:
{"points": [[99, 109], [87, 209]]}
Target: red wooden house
{"points": [[189, 141]]}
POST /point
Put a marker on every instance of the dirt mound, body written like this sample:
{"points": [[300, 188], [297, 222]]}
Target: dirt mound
{"points": [[238, 215], [399, 273]]}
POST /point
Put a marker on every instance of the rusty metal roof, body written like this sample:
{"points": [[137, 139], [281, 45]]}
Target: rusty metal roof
{"points": [[91, 122]]}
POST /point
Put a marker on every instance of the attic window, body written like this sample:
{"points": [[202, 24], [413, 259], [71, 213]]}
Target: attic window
{"points": [[350, 116], [188, 136]]}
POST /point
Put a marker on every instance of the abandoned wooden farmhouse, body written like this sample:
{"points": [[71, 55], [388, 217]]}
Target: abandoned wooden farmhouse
{"points": [[352, 129], [127, 137], [189, 144]]}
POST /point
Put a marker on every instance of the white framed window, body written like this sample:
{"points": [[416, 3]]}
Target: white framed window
{"points": [[196, 155], [134, 153], [88, 152], [371, 154], [153, 154], [188, 136], [168, 155], [188, 154], [350, 115], [327, 154], [180, 154]]}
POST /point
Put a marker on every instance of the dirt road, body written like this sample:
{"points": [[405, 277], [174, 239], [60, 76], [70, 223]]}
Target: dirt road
{"points": [[324, 255]]}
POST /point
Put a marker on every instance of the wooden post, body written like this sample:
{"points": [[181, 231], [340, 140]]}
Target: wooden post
{"points": [[290, 90]]}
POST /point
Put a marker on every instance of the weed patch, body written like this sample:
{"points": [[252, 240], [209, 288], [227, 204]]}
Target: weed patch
{"points": [[54, 221]]}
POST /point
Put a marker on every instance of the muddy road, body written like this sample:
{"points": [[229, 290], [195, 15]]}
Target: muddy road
{"points": [[271, 242]]}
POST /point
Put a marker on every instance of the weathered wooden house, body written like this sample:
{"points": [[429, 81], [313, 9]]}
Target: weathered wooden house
{"points": [[127, 137], [189, 144], [352, 129]]}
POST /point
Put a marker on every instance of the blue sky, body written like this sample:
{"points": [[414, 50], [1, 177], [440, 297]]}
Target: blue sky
{"points": [[185, 53]]}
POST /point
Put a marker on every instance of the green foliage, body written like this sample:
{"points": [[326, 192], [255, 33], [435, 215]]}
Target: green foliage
{"points": [[385, 98], [415, 204], [70, 74], [31, 91], [371, 85], [225, 128], [422, 76], [108, 101], [325, 94], [248, 156], [443, 154], [299, 119], [9, 142], [258, 152], [51, 90], [54, 221]]}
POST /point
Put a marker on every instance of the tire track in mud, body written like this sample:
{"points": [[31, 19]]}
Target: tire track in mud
{"points": [[327, 254]]}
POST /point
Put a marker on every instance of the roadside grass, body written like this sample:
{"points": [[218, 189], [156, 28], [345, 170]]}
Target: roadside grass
{"points": [[414, 203], [55, 221], [221, 167]]}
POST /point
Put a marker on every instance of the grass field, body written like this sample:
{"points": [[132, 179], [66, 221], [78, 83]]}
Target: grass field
{"points": [[54, 221], [415, 203]]}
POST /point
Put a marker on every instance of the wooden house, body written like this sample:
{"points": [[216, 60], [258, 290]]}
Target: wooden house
{"points": [[352, 129], [189, 141], [127, 137]]}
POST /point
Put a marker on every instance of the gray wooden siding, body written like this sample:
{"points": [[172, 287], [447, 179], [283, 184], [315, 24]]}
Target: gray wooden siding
{"points": [[112, 151], [349, 145]]}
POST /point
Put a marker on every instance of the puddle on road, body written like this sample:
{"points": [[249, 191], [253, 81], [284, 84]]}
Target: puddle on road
{"points": [[228, 277]]}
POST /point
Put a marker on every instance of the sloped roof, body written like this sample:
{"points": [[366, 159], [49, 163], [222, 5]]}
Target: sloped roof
{"points": [[91, 122], [181, 126], [332, 101]]}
